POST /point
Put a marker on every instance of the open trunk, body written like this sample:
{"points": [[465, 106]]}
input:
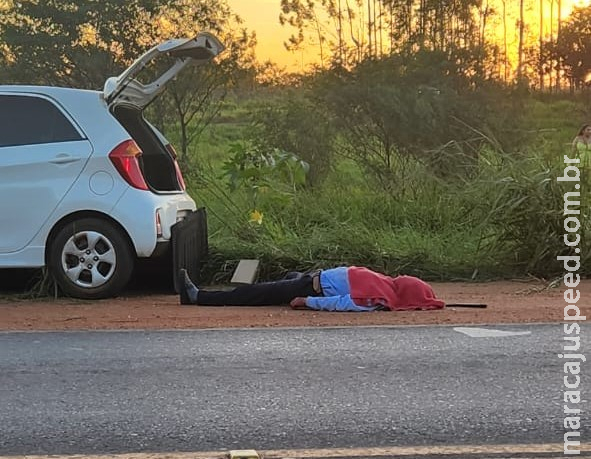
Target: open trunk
{"points": [[127, 97], [156, 162], [125, 89]]}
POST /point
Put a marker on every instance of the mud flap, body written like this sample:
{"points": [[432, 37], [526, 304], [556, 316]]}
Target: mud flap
{"points": [[189, 245]]}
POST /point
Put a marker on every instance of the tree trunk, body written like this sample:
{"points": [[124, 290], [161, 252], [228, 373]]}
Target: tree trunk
{"points": [[422, 23], [369, 27], [559, 25], [392, 29], [409, 5], [355, 38], [184, 137], [439, 36], [521, 33], [375, 29], [317, 23], [381, 28], [178, 105], [505, 50], [482, 38], [540, 61], [550, 74], [340, 21]]}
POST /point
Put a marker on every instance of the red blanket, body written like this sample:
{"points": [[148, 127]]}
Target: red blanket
{"points": [[402, 293]]}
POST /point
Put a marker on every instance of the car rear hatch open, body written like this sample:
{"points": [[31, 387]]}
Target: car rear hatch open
{"points": [[126, 89], [127, 97]]}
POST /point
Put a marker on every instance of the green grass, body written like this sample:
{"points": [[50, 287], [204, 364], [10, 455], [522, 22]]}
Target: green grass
{"points": [[553, 124], [502, 221]]}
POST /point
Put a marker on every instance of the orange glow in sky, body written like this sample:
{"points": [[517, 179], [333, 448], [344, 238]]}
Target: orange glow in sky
{"points": [[262, 16]]}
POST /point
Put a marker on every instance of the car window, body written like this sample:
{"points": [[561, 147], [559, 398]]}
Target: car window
{"points": [[27, 120]]}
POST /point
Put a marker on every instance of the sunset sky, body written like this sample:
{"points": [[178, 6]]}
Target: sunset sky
{"points": [[262, 16]]}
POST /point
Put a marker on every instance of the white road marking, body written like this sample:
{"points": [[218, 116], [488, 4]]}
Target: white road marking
{"points": [[489, 332], [411, 451]]}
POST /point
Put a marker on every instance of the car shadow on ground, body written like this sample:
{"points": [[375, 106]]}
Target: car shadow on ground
{"points": [[148, 279], [18, 281]]}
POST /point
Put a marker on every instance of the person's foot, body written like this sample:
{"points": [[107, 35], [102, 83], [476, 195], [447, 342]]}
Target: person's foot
{"points": [[187, 289]]}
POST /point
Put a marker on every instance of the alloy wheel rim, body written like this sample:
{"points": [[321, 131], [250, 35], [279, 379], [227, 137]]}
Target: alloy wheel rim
{"points": [[89, 259]]}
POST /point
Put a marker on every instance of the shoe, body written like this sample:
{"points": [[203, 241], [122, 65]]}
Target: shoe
{"points": [[293, 275], [187, 290]]}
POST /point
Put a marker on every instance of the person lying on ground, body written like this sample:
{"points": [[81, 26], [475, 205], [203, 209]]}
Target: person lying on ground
{"points": [[337, 289]]}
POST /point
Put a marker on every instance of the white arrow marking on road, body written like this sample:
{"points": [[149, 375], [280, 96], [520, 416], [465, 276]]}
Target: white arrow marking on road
{"points": [[489, 333]]}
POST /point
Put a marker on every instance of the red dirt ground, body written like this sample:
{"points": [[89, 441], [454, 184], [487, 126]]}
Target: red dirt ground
{"points": [[508, 302]]}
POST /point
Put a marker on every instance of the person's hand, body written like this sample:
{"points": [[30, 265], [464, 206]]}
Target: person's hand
{"points": [[298, 303]]}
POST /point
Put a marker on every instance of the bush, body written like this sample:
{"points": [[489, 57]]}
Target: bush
{"points": [[299, 126]]}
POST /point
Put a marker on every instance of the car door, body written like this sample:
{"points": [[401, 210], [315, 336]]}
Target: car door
{"points": [[42, 153], [126, 89]]}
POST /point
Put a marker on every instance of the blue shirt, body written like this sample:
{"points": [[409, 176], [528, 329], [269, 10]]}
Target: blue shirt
{"points": [[336, 293]]}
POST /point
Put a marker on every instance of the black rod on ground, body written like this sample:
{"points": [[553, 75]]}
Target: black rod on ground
{"points": [[465, 305]]}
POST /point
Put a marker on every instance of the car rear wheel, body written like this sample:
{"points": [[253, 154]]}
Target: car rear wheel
{"points": [[90, 259]]}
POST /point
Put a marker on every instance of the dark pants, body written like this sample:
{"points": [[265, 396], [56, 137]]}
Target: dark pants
{"points": [[262, 294]]}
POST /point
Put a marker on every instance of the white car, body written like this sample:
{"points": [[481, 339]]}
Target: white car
{"points": [[87, 185]]}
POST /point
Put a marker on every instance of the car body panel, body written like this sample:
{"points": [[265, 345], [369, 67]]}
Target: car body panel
{"points": [[136, 203], [36, 179]]}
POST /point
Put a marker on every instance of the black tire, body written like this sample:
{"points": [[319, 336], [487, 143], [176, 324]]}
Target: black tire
{"points": [[90, 259]]}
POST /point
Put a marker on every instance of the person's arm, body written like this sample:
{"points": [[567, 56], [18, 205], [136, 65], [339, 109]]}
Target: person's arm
{"points": [[340, 303]]}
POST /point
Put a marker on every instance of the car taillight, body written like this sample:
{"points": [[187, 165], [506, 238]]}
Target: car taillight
{"points": [[179, 174], [125, 158]]}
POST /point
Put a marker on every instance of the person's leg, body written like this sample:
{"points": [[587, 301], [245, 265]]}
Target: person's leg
{"points": [[262, 294]]}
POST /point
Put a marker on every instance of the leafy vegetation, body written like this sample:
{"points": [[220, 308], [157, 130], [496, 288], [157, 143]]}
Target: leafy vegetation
{"points": [[421, 157], [500, 217]]}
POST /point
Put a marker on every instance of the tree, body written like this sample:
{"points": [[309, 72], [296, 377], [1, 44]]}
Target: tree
{"points": [[401, 109], [300, 126], [541, 41], [505, 47], [60, 42], [573, 46], [443, 25], [302, 14], [550, 45], [521, 40], [558, 32]]}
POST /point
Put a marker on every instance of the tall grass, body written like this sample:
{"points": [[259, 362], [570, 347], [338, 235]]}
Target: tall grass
{"points": [[502, 220]]}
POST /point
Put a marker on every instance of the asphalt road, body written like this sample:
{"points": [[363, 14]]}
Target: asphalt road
{"points": [[107, 392]]}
